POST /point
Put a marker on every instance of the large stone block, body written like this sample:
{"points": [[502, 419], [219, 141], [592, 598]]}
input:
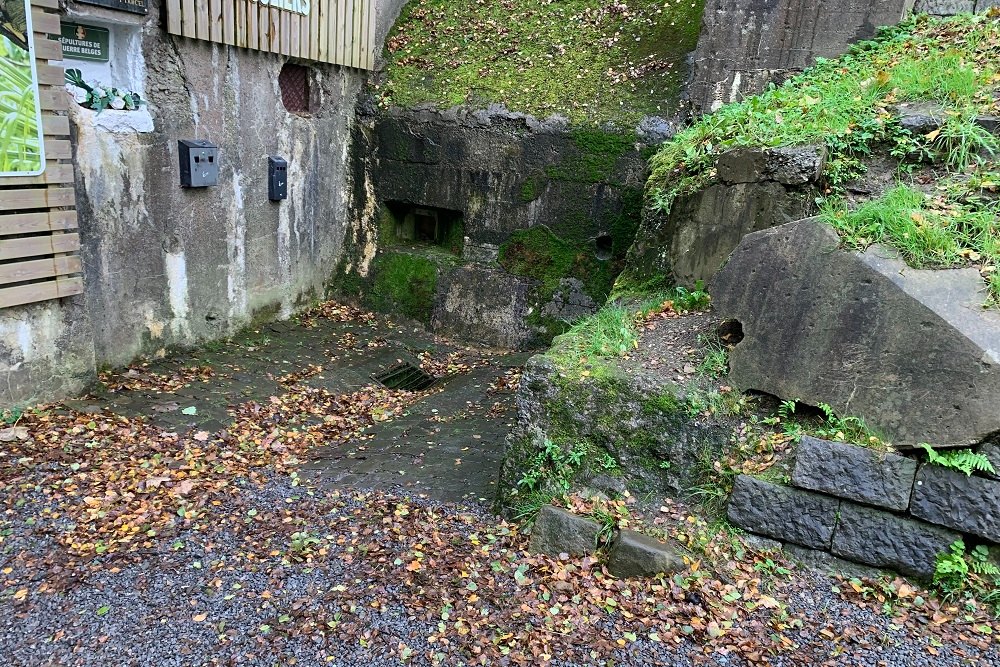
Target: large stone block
{"points": [[638, 555], [854, 473], [782, 512], [881, 539], [557, 531], [953, 499], [945, 7], [911, 351]]}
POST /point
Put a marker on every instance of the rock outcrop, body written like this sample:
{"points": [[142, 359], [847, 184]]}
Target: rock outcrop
{"points": [[913, 352]]}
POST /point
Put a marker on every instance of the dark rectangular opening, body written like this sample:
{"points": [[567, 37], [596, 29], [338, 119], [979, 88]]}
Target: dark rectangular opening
{"points": [[427, 225]]}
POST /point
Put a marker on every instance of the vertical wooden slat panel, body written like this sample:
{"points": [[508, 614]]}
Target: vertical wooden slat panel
{"points": [[201, 19], [228, 22], [343, 21], [215, 20], [241, 24], [189, 27], [294, 21], [370, 46], [334, 31], [174, 17], [285, 44], [274, 30]]}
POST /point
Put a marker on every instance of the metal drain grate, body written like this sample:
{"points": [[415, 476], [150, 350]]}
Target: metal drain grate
{"points": [[404, 376]]}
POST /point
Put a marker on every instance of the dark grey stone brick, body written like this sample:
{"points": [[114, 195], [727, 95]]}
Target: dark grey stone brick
{"points": [[953, 499], [881, 539], [784, 513], [854, 473]]}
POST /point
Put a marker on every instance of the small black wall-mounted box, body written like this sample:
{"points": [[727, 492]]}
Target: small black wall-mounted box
{"points": [[277, 178], [199, 162]]}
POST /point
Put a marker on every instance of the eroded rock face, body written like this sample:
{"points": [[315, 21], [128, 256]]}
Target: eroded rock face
{"points": [[755, 189], [911, 351]]}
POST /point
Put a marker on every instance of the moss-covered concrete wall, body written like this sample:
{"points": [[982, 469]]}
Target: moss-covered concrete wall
{"points": [[540, 218]]}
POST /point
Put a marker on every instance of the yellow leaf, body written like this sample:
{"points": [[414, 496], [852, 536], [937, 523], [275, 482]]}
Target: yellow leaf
{"points": [[198, 618], [931, 136], [21, 594]]}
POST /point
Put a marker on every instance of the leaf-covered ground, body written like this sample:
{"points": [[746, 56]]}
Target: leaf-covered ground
{"points": [[592, 61], [123, 542]]}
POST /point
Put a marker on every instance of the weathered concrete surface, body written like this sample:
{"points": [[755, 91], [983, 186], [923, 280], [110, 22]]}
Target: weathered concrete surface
{"points": [[953, 499], [487, 305], [782, 512], [755, 190], [636, 555], [945, 7], [854, 473], [745, 44], [500, 172], [557, 531], [885, 540], [911, 351], [46, 350]]}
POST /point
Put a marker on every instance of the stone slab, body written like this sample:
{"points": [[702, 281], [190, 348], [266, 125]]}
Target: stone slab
{"points": [[854, 473], [638, 555], [953, 499], [784, 513], [557, 531], [911, 351], [882, 539], [945, 7]]}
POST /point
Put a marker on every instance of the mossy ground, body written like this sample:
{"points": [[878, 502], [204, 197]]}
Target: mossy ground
{"points": [[847, 104], [593, 61]]}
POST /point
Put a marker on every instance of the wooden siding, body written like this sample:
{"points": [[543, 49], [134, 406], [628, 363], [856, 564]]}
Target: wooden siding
{"points": [[38, 243], [341, 32]]}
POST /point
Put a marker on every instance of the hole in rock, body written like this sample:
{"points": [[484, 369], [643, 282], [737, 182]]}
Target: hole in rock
{"points": [[731, 332], [605, 247], [404, 376]]}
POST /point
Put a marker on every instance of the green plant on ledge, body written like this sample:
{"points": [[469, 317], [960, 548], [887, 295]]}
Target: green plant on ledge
{"points": [[828, 426], [100, 97], [961, 572], [963, 460]]}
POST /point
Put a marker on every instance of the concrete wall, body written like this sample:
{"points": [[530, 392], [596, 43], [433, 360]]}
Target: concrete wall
{"points": [[745, 44], [165, 266], [504, 173]]}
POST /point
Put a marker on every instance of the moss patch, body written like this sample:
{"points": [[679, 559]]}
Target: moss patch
{"points": [[593, 61], [405, 283], [597, 154]]}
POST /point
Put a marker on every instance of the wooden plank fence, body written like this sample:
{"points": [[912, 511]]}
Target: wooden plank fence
{"points": [[38, 243], [341, 32]]}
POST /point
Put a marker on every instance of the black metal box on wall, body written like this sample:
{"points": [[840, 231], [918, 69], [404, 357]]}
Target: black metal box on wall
{"points": [[199, 162], [277, 178]]}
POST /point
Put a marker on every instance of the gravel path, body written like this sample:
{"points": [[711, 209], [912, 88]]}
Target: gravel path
{"points": [[234, 592]]}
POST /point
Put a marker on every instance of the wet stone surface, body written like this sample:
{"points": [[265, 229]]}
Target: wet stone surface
{"points": [[447, 444]]}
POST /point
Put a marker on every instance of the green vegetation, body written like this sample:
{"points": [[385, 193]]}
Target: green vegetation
{"points": [[955, 228], [404, 283], [593, 61], [846, 105], [550, 473], [826, 425], [963, 460], [961, 573], [20, 140], [598, 153], [614, 330]]}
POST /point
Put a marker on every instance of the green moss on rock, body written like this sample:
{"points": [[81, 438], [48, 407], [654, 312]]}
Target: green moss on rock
{"points": [[405, 282]]}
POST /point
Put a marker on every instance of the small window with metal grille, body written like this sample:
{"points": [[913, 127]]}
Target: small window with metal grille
{"points": [[294, 83]]}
